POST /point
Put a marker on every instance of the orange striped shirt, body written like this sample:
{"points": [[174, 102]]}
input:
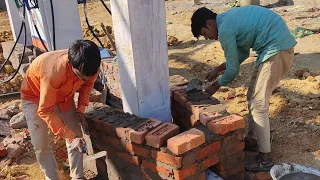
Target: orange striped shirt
{"points": [[50, 81]]}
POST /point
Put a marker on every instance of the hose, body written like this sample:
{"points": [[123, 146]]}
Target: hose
{"points": [[88, 24], [105, 6], [14, 46], [34, 25], [23, 26], [53, 27]]}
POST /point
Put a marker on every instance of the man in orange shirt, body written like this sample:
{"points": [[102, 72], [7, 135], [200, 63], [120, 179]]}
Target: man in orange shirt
{"points": [[47, 98]]}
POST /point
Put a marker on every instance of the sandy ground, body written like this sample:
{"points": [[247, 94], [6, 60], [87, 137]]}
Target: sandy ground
{"points": [[294, 107]]}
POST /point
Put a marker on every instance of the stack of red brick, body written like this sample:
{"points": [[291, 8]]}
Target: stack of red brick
{"points": [[140, 148], [111, 74]]}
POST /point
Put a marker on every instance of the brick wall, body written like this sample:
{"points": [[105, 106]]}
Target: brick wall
{"points": [[112, 78], [204, 136]]}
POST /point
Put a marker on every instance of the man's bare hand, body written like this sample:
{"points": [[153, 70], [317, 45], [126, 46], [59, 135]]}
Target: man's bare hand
{"points": [[78, 144], [213, 74], [213, 88], [83, 121]]}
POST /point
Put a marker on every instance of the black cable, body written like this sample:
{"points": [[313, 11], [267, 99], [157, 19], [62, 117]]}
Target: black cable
{"points": [[53, 27], [43, 44], [16, 42], [94, 35], [12, 49], [21, 58], [23, 26], [105, 6]]}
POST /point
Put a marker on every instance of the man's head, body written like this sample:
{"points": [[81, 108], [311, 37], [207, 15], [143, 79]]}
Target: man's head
{"points": [[203, 23], [84, 56]]}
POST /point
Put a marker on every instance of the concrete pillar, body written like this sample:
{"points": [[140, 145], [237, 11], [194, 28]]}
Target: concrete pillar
{"points": [[141, 42], [15, 23]]}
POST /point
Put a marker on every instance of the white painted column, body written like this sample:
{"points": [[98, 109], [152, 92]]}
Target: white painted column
{"points": [[141, 42], [15, 23]]}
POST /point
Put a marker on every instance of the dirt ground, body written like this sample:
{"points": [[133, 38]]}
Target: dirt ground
{"points": [[294, 107]]}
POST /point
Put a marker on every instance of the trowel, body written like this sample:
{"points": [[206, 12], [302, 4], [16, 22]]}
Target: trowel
{"points": [[89, 158], [196, 85]]}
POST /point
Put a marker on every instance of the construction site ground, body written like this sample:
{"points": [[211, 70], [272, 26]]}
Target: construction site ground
{"points": [[294, 106]]}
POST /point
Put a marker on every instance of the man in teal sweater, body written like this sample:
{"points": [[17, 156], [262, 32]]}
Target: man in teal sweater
{"points": [[265, 32]]}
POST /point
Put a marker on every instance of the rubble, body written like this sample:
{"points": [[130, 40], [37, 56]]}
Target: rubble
{"points": [[14, 151], [173, 41], [3, 151], [18, 121], [9, 69], [5, 114], [4, 128], [299, 73]]}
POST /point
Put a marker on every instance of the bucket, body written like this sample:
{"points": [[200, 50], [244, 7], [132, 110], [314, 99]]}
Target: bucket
{"points": [[291, 171], [249, 2]]}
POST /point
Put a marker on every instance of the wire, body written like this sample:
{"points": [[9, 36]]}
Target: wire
{"points": [[105, 6], [14, 46], [27, 5], [23, 26], [53, 27], [38, 33], [88, 24], [21, 58]]}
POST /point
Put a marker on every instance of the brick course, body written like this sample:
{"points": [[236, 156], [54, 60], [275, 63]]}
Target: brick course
{"points": [[205, 136]]}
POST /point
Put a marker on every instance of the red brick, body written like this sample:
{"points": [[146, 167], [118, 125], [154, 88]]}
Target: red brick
{"points": [[197, 176], [176, 88], [206, 117], [136, 150], [123, 133], [107, 127], [93, 133], [3, 150], [131, 159], [231, 172], [186, 141], [239, 176], [167, 158], [226, 124], [96, 96], [262, 176], [231, 166], [240, 134], [183, 173], [208, 150], [139, 134], [114, 142], [202, 176], [159, 136], [195, 109], [97, 124], [180, 96], [194, 121], [155, 168], [189, 158], [212, 112], [230, 146], [205, 164]]}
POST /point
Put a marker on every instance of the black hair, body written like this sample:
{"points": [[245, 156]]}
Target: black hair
{"points": [[199, 20], [84, 55]]}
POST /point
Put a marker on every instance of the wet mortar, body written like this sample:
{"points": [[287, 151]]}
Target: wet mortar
{"points": [[300, 176]]}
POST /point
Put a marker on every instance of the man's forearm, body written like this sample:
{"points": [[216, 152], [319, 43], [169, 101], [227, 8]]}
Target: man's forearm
{"points": [[222, 67]]}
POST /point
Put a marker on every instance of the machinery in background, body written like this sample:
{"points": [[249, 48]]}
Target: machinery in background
{"points": [[57, 23], [54, 25]]}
